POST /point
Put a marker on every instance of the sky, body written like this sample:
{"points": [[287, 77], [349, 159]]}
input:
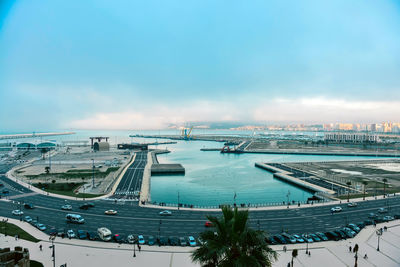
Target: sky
{"points": [[129, 64]]}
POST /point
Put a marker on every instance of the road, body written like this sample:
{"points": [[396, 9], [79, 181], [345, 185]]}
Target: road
{"points": [[131, 182], [133, 219]]}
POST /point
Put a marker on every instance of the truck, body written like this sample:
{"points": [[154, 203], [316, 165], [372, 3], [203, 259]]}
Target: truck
{"points": [[104, 234], [74, 218]]}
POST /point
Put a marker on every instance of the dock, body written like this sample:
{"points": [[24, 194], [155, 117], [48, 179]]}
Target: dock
{"points": [[167, 169]]}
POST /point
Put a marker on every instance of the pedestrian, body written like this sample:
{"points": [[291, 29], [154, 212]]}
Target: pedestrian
{"points": [[40, 247], [16, 238], [139, 247], [284, 248], [288, 264], [350, 249], [374, 223], [365, 256], [309, 253]]}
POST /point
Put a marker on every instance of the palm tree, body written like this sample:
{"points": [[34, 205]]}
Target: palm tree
{"points": [[356, 256], [365, 185], [233, 243], [384, 187], [348, 191], [294, 255]]}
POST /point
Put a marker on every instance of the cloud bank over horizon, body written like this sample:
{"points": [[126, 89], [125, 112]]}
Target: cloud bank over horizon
{"points": [[146, 65]]}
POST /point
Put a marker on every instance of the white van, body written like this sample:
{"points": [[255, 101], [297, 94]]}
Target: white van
{"points": [[104, 234], [74, 218]]}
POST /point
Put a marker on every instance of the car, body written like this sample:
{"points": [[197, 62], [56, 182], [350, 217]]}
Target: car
{"points": [[289, 238], [162, 241], [71, 234], [322, 236], [352, 204], [208, 224], [165, 213], [110, 212], [388, 218], [17, 212], [382, 210], [66, 207], [90, 205], [341, 234], [192, 241], [315, 237], [1, 184], [360, 225], [372, 215], [28, 206], [368, 222], [307, 238], [151, 240], [131, 239], [84, 207], [53, 231], [173, 241], [348, 232], [92, 235], [6, 192], [28, 219], [331, 235], [41, 226], [61, 232], [280, 239], [200, 240], [33, 222], [299, 239], [182, 242], [270, 240], [81, 234], [396, 216], [141, 240], [336, 209], [118, 238], [354, 227]]}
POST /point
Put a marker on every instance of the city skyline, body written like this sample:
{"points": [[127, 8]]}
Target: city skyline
{"points": [[133, 65]]}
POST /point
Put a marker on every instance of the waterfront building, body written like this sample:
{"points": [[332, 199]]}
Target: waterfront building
{"points": [[354, 138]]}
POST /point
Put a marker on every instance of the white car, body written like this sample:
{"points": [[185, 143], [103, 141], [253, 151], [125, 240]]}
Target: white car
{"points": [[192, 241], [66, 207], [71, 233], [110, 212], [336, 209], [382, 210], [17, 212], [352, 204], [165, 213]]}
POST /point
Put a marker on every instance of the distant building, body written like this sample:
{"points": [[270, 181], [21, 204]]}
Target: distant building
{"points": [[350, 138], [17, 257], [101, 146], [133, 146]]}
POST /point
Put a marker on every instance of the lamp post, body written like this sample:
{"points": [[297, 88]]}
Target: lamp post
{"points": [[92, 173], [178, 200], [53, 255], [378, 233], [287, 195], [134, 249], [159, 230], [306, 236]]}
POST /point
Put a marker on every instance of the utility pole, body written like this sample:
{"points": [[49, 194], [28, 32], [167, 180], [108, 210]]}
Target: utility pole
{"points": [[178, 200], [92, 173], [49, 159], [54, 250]]}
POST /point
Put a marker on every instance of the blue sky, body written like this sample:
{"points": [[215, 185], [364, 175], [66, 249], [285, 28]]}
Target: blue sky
{"points": [[146, 64]]}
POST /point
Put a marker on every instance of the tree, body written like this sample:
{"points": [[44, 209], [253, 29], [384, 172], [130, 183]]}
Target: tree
{"points": [[355, 249], [294, 254], [348, 191], [365, 185], [384, 187], [233, 243]]}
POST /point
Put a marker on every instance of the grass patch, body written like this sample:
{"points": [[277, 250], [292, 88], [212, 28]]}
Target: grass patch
{"points": [[75, 174], [35, 263], [12, 230], [66, 189]]}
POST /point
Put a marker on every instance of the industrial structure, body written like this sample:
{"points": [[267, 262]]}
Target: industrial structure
{"points": [[99, 145], [186, 133]]}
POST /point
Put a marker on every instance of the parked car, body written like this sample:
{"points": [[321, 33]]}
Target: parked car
{"points": [[66, 207], [322, 236], [271, 240], [92, 235], [372, 215], [354, 227], [208, 224], [280, 239], [331, 235], [71, 233], [315, 237], [84, 207], [17, 212], [41, 226], [81, 234], [382, 210], [307, 238], [369, 222], [336, 209], [352, 204], [28, 219], [192, 241], [110, 212], [131, 239], [348, 232], [28, 206], [299, 239], [163, 241], [61, 232], [341, 234], [289, 238], [53, 231], [151, 240], [118, 238], [388, 218], [165, 213], [173, 241], [182, 242], [141, 240]]}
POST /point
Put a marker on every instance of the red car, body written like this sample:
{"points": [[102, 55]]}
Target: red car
{"points": [[208, 224]]}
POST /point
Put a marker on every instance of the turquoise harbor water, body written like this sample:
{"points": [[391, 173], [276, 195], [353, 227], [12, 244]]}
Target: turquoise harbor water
{"points": [[213, 178]]}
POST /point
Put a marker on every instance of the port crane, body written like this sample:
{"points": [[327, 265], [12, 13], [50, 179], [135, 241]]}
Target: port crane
{"points": [[186, 133]]}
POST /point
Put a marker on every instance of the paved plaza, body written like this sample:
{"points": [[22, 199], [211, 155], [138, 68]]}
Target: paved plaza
{"points": [[78, 253]]}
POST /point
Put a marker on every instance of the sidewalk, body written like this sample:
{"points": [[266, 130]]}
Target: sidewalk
{"points": [[331, 254]]}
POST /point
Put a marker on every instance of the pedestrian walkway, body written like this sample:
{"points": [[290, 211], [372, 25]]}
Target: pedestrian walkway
{"points": [[79, 253]]}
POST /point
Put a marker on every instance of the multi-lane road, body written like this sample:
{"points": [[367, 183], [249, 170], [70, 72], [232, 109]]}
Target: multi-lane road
{"points": [[133, 219]]}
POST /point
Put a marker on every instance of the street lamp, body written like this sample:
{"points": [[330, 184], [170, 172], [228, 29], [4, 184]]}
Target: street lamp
{"points": [[287, 195], [92, 173], [178, 200], [159, 230], [306, 236], [134, 249], [378, 233], [54, 249]]}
